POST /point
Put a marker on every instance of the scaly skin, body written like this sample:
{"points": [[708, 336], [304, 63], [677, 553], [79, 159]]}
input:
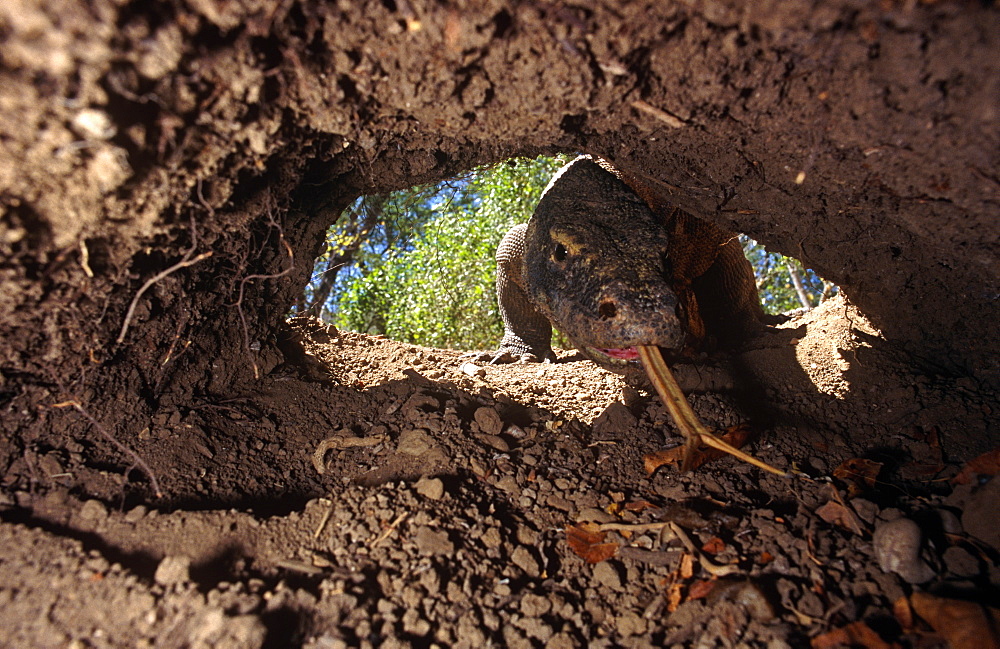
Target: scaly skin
{"points": [[612, 271]]}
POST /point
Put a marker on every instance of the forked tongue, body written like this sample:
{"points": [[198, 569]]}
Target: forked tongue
{"points": [[694, 432], [625, 354]]}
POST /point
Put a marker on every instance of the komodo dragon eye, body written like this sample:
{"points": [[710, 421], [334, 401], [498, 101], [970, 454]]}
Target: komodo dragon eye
{"points": [[560, 252]]}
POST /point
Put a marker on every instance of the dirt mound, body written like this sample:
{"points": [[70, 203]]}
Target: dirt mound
{"points": [[391, 495]]}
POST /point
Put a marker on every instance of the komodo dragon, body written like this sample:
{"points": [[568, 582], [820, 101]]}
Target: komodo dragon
{"points": [[613, 267]]}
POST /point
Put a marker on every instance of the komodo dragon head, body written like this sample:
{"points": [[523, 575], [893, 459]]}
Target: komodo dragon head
{"points": [[595, 263]]}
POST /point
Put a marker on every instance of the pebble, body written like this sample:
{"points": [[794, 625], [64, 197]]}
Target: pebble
{"points": [[535, 605], [629, 623], [430, 542], [431, 488], [472, 369], [615, 419], [495, 441], [897, 548], [173, 570], [865, 509], [960, 562], [93, 510], [414, 442], [561, 640], [594, 515], [489, 421], [981, 517], [523, 559], [606, 575]]}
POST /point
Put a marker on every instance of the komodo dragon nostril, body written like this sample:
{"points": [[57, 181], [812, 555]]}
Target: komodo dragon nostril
{"points": [[607, 310]]}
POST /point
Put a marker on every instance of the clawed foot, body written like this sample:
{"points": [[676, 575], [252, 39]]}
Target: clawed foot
{"points": [[506, 356]]}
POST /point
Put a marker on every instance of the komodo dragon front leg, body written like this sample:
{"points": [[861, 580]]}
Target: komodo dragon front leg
{"points": [[527, 332]]}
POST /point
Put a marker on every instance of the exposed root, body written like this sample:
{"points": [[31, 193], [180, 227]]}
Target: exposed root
{"points": [[137, 461], [239, 299], [186, 260]]}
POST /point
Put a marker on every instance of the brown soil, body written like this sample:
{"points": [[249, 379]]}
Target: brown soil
{"points": [[167, 171]]}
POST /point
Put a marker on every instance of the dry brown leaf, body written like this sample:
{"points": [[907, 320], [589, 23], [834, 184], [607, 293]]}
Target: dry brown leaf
{"points": [[587, 541], [965, 625], [701, 588], [639, 505], [986, 464], [837, 514], [903, 612], [674, 597], [765, 558], [859, 474], [855, 634], [686, 569], [735, 436], [714, 545]]}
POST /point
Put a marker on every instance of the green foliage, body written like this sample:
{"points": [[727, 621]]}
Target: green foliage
{"points": [[427, 273], [776, 283], [418, 265]]}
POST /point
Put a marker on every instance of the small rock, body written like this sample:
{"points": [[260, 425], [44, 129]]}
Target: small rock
{"points": [[93, 510], [216, 629], [477, 468], [491, 538], [630, 623], [865, 509], [523, 559], [489, 421], [535, 605], [414, 442], [558, 502], [497, 442], [173, 570], [49, 464], [897, 548], [535, 628], [960, 562], [607, 575], [509, 484], [561, 640], [430, 542], [594, 515], [949, 521], [431, 488], [93, 124], [136, 514], [472, 369], [615, 420]]}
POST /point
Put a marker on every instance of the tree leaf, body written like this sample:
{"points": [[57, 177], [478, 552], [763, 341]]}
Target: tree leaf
{"points": [[855, 634], [587, 541], [986, 464], [965, 625], [837, 514], [859, 474]]}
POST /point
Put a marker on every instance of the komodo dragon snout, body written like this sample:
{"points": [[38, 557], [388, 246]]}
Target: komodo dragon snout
{"points": [[595, 263]]}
